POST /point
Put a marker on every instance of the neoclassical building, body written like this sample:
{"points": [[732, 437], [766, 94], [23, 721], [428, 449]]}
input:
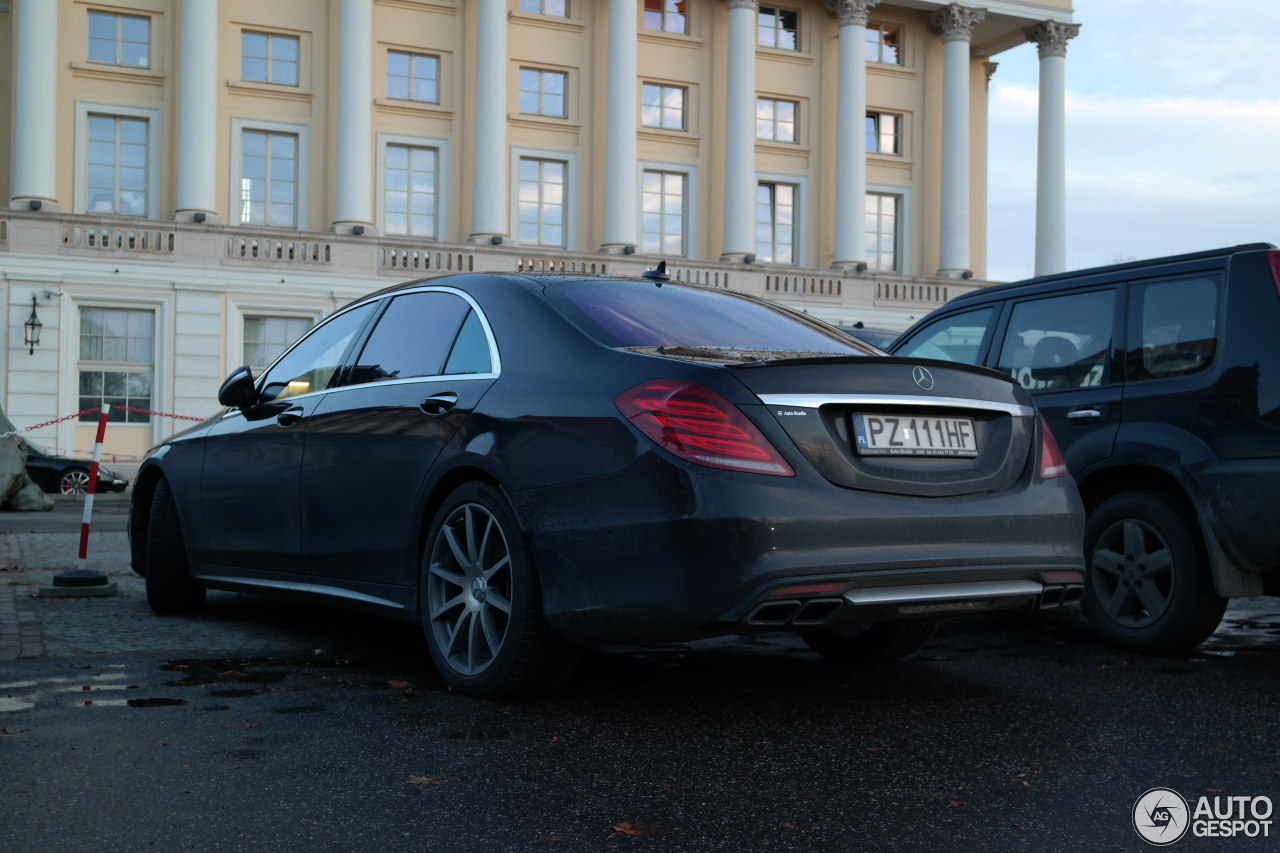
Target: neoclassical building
{"points": [[192, 183]]}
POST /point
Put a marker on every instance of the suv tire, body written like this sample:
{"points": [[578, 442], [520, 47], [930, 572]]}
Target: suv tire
{"points": [[1147, 586]]}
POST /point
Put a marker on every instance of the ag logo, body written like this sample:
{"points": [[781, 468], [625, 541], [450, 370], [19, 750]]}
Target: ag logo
{"points": [[1161, 817]]}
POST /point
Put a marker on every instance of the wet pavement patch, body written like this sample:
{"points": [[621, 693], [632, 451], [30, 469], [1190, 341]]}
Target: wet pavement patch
{"points": [[299, 709], [477, 734], [233, 694], [157, 702]]}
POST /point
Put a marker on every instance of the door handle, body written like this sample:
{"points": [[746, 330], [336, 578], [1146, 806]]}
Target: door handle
{"points": [[438, 404], [289, 417], [1084, 414]]}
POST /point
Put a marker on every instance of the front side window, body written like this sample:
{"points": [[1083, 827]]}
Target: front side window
{"points": [[955, 338], [557, 8], [1173, 327], [120, 39], [775, 222], [662, 213], [266, 337], [311, 364], [412, 338], [884, 43], [269, 179], [117, 165], [883, 133], [1060, 342], [541, 201], [267, 58], [667, 16], [776, 27], [775, 120], [662, 106], [117, 362], [881, 231], [542, 93], [413, 76], [410, 194]]}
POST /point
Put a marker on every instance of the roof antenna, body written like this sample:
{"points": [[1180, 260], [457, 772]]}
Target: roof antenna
{"points": [[659, 275]]}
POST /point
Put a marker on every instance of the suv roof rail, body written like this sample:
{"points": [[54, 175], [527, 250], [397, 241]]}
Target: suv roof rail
{"points": [[1127, 265]]}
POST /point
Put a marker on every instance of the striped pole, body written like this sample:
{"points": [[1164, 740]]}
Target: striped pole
{"points": [[93, 484]]}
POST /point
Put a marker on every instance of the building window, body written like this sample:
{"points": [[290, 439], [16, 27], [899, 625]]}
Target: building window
{"points": [[778, 28], [662, 213], [410, 190], [541, 202], [542, 93], [266, 337], [120, 39], [883, 133], [413, 76], [269, 179], [117, 165], [662, 106], [884, 44], [557, 8], [268, 58], [775, 222], [775, 120], [882, 235], [116, 362], [668, 16]]}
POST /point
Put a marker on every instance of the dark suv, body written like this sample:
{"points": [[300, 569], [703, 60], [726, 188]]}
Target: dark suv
{"points": [[1161, 382]]}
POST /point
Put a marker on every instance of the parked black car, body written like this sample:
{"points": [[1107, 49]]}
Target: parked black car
{"points": [[529, 463], [1158, 378], [878, 338], [65, 475]]}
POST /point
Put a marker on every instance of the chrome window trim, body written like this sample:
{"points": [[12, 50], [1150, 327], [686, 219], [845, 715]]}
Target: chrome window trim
{"points": [[815, 401]]}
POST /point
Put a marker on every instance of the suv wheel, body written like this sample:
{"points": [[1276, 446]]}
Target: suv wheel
{"points": [[1148, 587]]}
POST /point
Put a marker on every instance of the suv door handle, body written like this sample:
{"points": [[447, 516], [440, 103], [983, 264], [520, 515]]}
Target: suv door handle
{"points": [[438, 404], [289, 417], [1085, 414]]}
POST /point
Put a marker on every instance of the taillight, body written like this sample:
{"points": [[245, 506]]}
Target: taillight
{"points": [[1051, 462], [1274, 257], [698, 425]]}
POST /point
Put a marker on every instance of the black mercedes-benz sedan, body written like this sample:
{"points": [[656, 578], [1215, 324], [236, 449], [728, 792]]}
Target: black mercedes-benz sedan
{"points": [[527, 464]]}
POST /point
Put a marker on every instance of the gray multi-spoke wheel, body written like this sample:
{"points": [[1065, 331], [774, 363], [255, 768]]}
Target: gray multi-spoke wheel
{"points": [[481, 602], [1148, 586], [74, 482]]}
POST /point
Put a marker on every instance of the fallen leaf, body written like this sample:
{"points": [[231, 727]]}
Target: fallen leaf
{"points": [[956, 803], [641, 830], [88, 702], [1017, 826], [86, 687], [788, 824], [401, 685], [424, 781], [233, 673]]}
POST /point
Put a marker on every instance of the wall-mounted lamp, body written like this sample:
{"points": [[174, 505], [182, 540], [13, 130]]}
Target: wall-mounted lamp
{"points": [[860, 266], [357, 230], [496, 239], [35, 204], [748, 259], [32, 329], [967, 274], [628, 250], [198, 217]]}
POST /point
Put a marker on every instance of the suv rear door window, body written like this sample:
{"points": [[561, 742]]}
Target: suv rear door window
{"points": [[1173, 327], [1060, 342], [954, 338]]}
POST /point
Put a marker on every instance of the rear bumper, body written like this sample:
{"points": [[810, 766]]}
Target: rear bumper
{"points": [[655, 553]]}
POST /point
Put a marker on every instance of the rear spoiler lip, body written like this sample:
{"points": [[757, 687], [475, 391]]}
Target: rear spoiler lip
{"points": [[886, 359]]}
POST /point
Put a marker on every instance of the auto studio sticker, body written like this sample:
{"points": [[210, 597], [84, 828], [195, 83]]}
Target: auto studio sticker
{"points": [[1162, 817]]}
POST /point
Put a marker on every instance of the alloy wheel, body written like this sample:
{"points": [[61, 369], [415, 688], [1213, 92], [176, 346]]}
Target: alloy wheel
{"points": [[1133, 573], [74, 483]]}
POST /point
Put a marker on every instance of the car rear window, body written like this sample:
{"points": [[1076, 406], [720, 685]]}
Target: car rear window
{"points": [[632, 314]]}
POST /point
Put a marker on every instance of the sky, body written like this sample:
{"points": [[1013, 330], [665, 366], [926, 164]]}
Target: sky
{"points": [[1173, 134]]}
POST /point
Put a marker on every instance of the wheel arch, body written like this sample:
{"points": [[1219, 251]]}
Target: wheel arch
{"points": [[444, 486], [144, 488]]}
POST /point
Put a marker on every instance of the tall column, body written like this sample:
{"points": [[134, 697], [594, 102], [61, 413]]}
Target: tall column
{"points": [[740, 133], [197, 111], [353, 191], [851, 148], [956, 23], [489, 176], [35, 102], [1051, 158], [620, 201]]}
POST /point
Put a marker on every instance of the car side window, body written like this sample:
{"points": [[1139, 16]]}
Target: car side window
{"points": [[1060, 342], [954, 338], [1173, 327], [310, 365], [412, 337], [470, 352]]}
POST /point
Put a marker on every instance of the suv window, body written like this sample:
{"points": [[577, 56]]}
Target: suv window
{"points": [[954, 338], [412, 337], [1060, 342], [1172, 327], [310, 365]]}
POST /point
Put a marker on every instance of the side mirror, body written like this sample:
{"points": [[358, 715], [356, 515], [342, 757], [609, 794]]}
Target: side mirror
{"points": [[238, 391]]}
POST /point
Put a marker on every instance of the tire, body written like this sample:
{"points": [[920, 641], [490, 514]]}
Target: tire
{"points": [[74, 482], [170, 589], [481, 603], [1148, 586], [883, 641]]}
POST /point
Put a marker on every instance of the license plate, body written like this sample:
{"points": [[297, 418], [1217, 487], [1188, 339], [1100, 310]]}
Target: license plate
{"points": [[904, 435]]}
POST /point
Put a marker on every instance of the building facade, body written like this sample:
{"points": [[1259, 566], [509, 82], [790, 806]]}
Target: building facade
{"points": [[193, 183]]}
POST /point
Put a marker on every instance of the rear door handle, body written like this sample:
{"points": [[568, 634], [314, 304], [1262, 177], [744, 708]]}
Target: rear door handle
{"points": [[289, 417], [1085, 414], [438, 404]]}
